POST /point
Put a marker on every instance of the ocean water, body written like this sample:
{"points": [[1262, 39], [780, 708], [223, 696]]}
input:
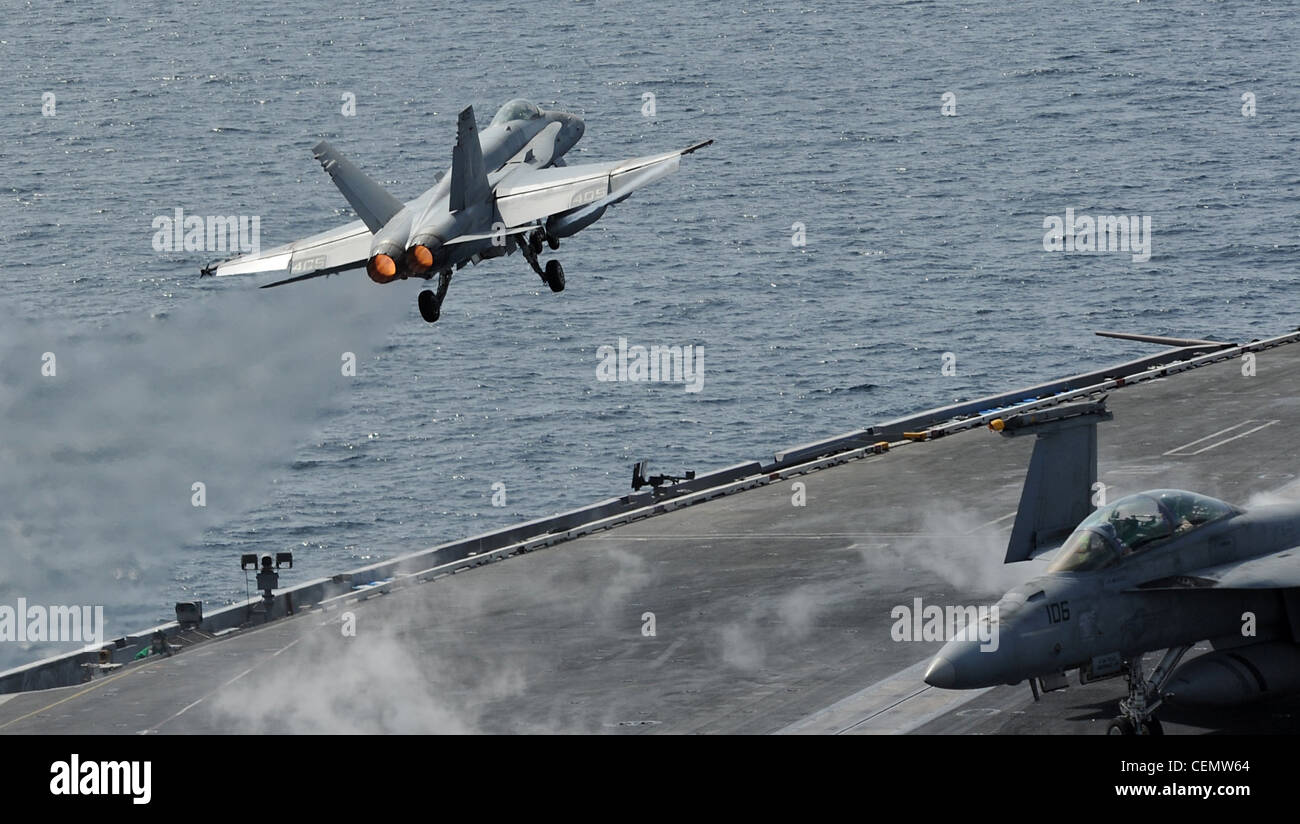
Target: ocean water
{"points": [[924, 236]]}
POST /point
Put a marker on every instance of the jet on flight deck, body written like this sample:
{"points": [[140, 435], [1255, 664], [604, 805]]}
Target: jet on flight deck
{"points": [[1163, 569], [508, 188]]}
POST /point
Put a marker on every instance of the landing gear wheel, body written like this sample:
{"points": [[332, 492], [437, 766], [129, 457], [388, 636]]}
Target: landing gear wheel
{"points": [[555, 275], [430, 306], [1138, 710], [552, 242], [535, 242]]}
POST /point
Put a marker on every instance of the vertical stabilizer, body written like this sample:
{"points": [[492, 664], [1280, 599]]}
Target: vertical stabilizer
{"points": [[469, 182], [1058, 488]]}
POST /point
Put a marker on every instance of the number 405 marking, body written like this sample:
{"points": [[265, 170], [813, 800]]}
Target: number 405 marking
{"points": [[1058, 612]]}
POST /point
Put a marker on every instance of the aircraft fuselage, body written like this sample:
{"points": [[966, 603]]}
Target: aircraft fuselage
{"points": [[1067, 620]]}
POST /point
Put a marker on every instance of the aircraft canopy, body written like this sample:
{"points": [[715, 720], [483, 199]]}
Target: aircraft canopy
{"points": [[1134, 523], [517, 109]]}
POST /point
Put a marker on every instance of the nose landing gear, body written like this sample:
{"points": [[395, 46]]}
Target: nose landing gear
{"points": [[1138, 711]]}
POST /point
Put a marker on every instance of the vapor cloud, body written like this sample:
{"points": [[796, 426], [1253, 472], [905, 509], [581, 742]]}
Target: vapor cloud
{"points": [[99, 459]]}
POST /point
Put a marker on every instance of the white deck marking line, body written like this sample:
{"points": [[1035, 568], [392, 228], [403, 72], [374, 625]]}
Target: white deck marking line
{"points": [[914, 711], [884, 710], [1235, 437], [191, 706], [994, 521], [1207, 437], [671, 649], [896, 705]]}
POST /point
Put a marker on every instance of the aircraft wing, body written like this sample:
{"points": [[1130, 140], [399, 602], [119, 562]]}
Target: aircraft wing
{"points": [[531, 194], [1280, 570], [347, 247]]}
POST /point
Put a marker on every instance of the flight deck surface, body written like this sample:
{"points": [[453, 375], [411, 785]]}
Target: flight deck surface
{"points": [[743, 614]]}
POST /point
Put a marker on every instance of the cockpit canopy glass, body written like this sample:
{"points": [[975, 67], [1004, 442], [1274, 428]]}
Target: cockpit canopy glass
{"points": [[517, 109], [1132, 524]]}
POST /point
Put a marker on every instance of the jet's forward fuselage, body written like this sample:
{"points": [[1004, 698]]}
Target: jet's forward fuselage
{"points": [[1067, 619]]}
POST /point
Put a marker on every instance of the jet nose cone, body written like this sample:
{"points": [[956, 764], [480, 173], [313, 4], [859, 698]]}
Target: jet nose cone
{"points": [[941, 673], [969, 661]]}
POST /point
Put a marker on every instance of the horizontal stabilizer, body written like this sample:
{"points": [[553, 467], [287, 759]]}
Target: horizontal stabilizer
{"points": [[372, 203]]}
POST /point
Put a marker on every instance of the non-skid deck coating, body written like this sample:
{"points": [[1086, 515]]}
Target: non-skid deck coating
{"points": [[766, 617]]}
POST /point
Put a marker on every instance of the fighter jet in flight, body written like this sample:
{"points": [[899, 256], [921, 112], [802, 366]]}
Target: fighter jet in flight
{"points": [[1163, 569], [508, 188]]}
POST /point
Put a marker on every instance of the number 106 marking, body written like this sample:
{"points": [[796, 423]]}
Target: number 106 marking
{"points": [[1058, 612]]}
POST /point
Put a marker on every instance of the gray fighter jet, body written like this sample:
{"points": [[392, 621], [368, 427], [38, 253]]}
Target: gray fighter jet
{"points": [[508, 188], [1163, 569]]}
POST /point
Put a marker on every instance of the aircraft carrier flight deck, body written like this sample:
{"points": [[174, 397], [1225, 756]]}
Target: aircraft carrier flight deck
{"points": [[738, 610]]}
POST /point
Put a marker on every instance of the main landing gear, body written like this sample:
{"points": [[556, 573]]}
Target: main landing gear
{"points": [[1138, 711], [430, 303], [553, 274]]}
